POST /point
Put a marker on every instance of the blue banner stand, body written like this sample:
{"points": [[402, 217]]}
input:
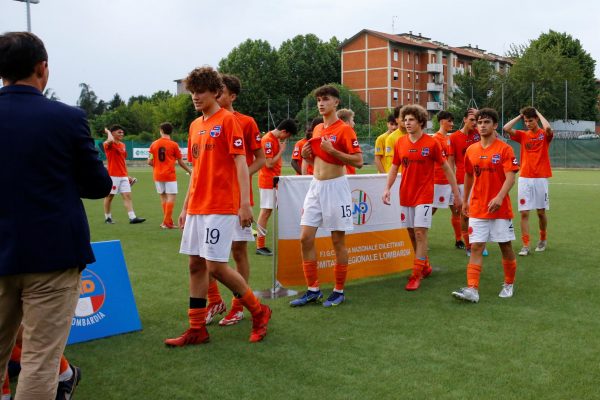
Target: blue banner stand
{"points": [[106, 305]]}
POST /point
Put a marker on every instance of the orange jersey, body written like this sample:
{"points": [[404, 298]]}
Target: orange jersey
{"points": [[212, 145], [116, 153], [459, 142], [489, 167], [165, 154], [350, 170], [341, 135], [439, 177], [270, 145], [418, 162], [251, 141], [297, 153], [535, 158]]}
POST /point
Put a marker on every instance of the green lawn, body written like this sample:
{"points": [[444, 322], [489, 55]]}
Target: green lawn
{"points": [[384, 342]]}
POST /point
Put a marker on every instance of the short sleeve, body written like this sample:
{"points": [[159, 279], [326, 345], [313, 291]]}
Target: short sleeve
{"points": [[510, 162], [234, 135]]}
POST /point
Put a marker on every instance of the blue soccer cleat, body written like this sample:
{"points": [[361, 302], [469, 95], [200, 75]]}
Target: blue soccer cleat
{"points": [[308, 297], [334, 299]]}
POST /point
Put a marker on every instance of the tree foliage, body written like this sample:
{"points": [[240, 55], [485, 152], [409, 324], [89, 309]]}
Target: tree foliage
{"points": [[88, 101], [474, 89]]}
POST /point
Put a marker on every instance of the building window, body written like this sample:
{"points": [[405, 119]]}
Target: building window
{"points": [[417, 97], [408, 75], [417, 59], [395, 74], [396, 95], [408, 57], [417, 75], [395, 55], [408, 96], [433, 59]]}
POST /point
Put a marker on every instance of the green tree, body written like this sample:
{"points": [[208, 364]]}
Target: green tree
{"points": [[473, 89], [50, 93], [116, 102], [161, 95], [88, 101], [139, 99]]}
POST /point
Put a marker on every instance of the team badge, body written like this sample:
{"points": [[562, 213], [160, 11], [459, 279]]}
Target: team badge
{"points": [[425, 151], [215, 131], [238, 143], [268, 145], [476, 137], [333, 138], [541, 137], [496, 159]]}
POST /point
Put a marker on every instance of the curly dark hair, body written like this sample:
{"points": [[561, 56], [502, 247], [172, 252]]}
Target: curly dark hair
{"points": [[416, 111], [232, 83], [204, 79]]}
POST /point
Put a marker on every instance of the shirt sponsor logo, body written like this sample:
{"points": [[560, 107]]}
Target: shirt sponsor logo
{"points": [[355, 143], [238, 143], [202, 132], [257, 138], [425, 151], [496, 159], [268, 151]]}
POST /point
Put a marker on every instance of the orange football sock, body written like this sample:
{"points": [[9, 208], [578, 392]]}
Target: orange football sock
{"points": [[214, 296], [465, 236], [197, 317], [64, 365], [236, 305], [542, 235], [473, 272], [456, 226], [418, 267], [6, 386], [16, 353], [251, 302], [510, 268], [525, 239], [340, 271], [260, 242], [168, 219], [310, 273]]}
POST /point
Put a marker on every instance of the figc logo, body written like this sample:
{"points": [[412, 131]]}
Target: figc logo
{"points": [[361, 207]]}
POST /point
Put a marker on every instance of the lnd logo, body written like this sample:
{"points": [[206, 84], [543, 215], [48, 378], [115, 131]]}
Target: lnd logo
{"points": [[361, 207], [91, 299]]}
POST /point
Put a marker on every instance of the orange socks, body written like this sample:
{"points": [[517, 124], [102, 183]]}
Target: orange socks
{"points": [[16, 353], [236, 305], [510, 268], [542, 235], [260, 242], [525, 239], [456, 226], [310, 274], [251, 302], [473, 272], [168, 212], [197, 317], [465, 236], [340, 272], [214, 296], [64, 365], [418, 267]]}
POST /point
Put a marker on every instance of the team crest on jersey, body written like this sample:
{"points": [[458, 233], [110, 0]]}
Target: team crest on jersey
{"points": [[361, 203], [268, 145], [91, 299], [238, 143], [332, 138], [476, 137], [496, 159], [388, 149], [541, 136], [425, 151], [215, 131]]}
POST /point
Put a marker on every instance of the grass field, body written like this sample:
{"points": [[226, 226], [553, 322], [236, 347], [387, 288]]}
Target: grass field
{"points": [[384, 343]]}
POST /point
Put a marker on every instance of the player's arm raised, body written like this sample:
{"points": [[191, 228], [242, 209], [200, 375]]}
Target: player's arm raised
{"points": [[508, 127], [546, 126], [109, 136]]}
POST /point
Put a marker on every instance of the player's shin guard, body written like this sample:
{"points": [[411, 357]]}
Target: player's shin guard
{"points": [[473, 273], [250, 301], [340, 271], [214, 296], [510, 268], [310, 274]]}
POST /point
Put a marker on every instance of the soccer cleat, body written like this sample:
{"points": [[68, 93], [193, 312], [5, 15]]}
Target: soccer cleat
{"points": [[427, 271], [308, 297], [191, 336], [213, 309], [66, 388], [108, 221], [467, 294], [168, 226], [413, 283], [524, 251], [459, 244], [232, 318], [334, 299], [259, 324], [136, 220], [541, 246], [468, 252], [485, 252], [507, 290], [264, 251]]}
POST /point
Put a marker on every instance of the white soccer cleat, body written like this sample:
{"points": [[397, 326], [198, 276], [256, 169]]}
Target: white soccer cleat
{"points": [[541, 246], [507, 290], [467, 294], [524, 251]]}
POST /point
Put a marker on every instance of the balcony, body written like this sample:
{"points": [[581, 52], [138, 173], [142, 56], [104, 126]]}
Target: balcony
{"points": [[435, 68], [435, 87], [434, 106], [458, 70]]}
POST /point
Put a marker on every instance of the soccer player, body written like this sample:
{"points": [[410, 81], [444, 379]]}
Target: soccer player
{"points": [[116, 153], [459, 142], [392, 125], [307, 168], [328, 203], [164, 152], [273, 144], [441, 187], [490, 168], [347, 116], [418, 153], [535, 171], [296, 154], [217, 199], [390, 141], [255, 159]]}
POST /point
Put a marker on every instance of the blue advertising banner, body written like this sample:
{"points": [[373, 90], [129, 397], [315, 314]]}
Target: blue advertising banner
{"points": [[106, 304]]}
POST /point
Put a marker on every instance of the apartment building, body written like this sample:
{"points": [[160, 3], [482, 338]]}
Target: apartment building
{"points": [[387, 70]]}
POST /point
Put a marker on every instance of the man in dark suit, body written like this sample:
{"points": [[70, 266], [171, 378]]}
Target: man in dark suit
{"points": [[47, 163]]}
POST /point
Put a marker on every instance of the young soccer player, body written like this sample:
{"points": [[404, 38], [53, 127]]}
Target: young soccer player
{"points": [[392, 125], [217, 199], [116, 153], [347, 116], [390, 141], [255, 158], [328, 202], [535, 171], [459, 142], [296, 154], [490, 168], [164, 153], [441, 187], [308, 168], [418, 153], [273, 144]]}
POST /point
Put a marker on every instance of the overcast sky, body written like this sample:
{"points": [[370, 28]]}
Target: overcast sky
{"points": [[139, 47]]}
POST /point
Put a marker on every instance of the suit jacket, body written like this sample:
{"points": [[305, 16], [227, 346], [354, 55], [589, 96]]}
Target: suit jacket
{"points": [[47, 163]]}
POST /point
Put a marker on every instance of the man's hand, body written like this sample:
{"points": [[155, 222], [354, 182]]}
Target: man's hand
{"points": [[245, 216], [181, 218], [282, 145], [306, 151], [386, 197], [495, 204], [327, 145], [465, 209]]}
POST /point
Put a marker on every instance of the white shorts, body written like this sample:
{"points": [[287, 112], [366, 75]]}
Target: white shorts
{"points": [[441, 195], [416, 217], [266, 198], [208, 236], [533, 194], [491, 230], [461, 190], [166, 187], [242, 234], [120, 185], [328, 205]]}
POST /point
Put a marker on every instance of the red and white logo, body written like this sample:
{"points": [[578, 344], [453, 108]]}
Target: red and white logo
{"points": [[238, 143], [522, 201], [470, 230], [355, 143], [442, 198], [402, 217]]}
